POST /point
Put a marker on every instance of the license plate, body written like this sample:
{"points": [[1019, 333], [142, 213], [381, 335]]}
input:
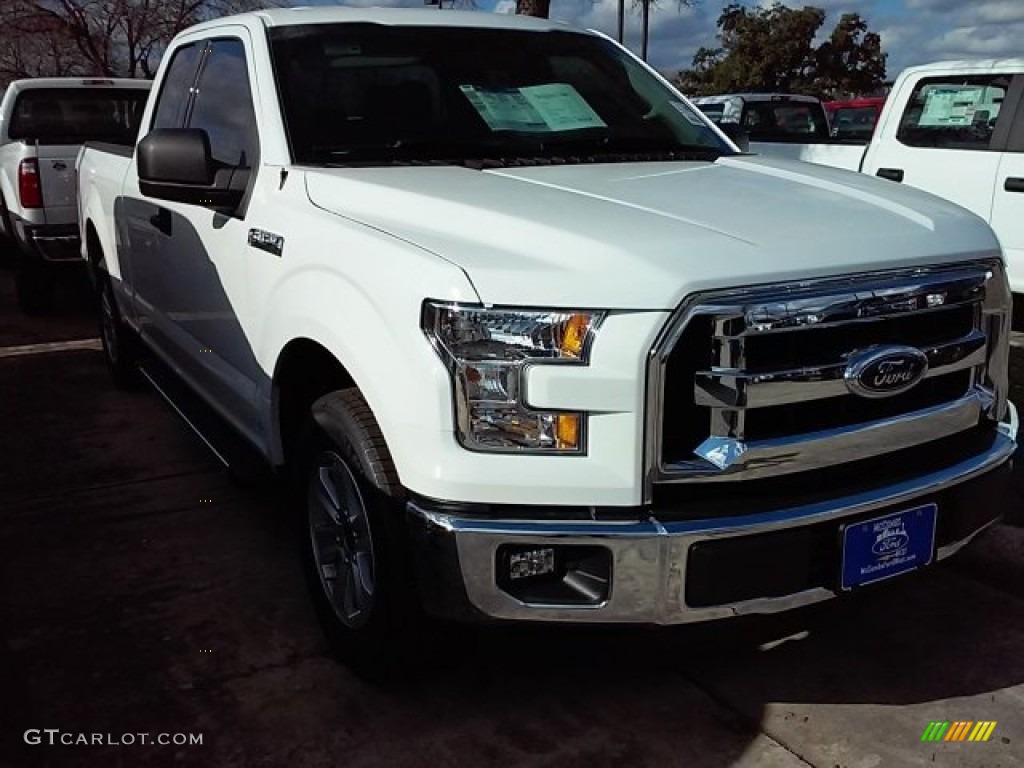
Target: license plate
{"points": [[888, 546]]}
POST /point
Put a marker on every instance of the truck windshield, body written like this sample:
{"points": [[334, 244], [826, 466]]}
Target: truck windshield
{"points": [[779, 120], [374, 94], [74, 115], [854, 122]]}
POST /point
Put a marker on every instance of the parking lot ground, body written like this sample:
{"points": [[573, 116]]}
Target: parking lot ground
{"points": [[141, 591]]}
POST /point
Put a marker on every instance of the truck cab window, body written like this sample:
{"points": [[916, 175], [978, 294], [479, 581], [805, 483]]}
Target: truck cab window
{"points": [[953, 112], [181, 74], [223, 105]]}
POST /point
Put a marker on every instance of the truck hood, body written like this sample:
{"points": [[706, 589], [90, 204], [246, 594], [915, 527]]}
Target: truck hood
{"points": [[644, 235]]}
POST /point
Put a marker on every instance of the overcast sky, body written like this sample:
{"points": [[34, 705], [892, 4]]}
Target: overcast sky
{"points": [[913, 31]]}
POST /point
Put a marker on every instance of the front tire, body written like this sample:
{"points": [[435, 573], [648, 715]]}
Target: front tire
{"points": [[354, 544]]}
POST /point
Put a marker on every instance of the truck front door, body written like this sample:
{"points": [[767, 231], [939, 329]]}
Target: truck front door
{"points": [[194, 289]]}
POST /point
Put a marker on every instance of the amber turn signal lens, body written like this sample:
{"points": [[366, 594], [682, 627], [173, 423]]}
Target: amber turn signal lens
{"points": [[574, 337], [568, 431]]}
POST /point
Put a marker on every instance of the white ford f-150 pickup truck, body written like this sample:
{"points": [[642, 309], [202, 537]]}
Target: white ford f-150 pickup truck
{"points": [[955, 129], [530, 336], [43, 123]]}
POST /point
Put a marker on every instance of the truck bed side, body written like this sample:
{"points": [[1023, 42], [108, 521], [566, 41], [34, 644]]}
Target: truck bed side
{"points": [[101, 170]]}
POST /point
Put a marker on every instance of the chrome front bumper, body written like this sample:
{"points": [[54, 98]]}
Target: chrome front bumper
{"points": [[458, 554]]}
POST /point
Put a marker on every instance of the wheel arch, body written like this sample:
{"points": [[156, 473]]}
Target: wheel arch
{"points": [[94, 253], [97, 223], [305, 371]]}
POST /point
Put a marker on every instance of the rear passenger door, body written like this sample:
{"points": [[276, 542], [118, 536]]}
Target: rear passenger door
{"points": [[1008, 204], [946, 139]]}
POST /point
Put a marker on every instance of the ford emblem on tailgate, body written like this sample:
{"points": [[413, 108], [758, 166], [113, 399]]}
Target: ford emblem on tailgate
{"points": [[885, 371]]}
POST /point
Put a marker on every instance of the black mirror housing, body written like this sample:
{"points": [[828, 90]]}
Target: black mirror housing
{"points": [[175, 164], [737, 135]]}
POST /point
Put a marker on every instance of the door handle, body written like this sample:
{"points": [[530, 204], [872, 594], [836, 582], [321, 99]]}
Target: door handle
{"points": [[1014, 184], [161, 220], [892, 174]]}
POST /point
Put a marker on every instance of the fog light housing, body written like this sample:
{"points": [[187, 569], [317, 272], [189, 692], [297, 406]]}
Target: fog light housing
{"points": [[555, 574], [532, 562]]}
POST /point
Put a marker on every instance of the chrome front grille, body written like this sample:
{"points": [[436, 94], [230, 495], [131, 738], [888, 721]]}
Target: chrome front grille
{"points": [[753, 384]]}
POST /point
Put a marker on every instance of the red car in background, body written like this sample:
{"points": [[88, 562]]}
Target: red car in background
{"points": [[854, 118]]}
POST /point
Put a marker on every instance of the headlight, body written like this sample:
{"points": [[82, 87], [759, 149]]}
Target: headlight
{"points": [[487, 351]]}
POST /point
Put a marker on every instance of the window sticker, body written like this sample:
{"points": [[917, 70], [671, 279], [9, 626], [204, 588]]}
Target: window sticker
{"points": [[504, 109], [958, 105], [561, 107], [536, 108]]}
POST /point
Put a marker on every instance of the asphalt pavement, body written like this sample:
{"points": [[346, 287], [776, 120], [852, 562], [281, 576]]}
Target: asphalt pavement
{"points": [[142, 591]]}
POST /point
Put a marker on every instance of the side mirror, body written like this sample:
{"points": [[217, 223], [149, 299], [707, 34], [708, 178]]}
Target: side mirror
{"points": [[175, 164], [738, 136]]}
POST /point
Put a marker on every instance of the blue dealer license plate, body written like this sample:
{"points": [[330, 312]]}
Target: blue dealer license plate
{"points": [[887, 546]]}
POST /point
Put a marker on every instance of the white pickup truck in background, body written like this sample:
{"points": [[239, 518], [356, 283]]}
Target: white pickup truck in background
{"points": [[43, 123], [955, 129], [781, 125], [532, 340]]}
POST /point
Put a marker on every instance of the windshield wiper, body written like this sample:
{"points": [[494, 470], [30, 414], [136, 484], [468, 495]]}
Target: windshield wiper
{"points": [[520, 149], [429, 148]]}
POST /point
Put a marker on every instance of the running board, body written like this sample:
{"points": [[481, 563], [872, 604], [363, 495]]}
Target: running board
{"points": [[191, 424], [222, 440]]}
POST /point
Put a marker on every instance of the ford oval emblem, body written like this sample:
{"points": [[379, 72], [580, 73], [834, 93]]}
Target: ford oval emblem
{"points": [[888, 545], [885, 371]]}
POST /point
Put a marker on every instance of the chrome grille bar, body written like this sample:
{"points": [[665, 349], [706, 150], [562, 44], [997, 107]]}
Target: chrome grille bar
{"points": [[738, 389], [849, 304], [765, 458]]}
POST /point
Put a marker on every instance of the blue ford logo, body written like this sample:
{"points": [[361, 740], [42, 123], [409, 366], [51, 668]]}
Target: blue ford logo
{"points": [[885, 371]]}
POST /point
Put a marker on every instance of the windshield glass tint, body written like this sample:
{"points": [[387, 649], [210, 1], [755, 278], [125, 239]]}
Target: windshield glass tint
{"points": [[365, 92], [74, 115]]}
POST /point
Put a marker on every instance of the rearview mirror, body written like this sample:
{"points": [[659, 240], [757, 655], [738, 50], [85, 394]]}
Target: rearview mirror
{"points": [[737, 135], [175, 164]]}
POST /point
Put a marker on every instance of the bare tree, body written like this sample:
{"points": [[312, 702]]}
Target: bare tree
{"points": [[100, 37], [33, 46]]}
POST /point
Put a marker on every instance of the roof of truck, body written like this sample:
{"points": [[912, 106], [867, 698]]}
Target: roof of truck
{"points": [[754, 97], [1013, 65], [427, 16], [78, 82]]}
